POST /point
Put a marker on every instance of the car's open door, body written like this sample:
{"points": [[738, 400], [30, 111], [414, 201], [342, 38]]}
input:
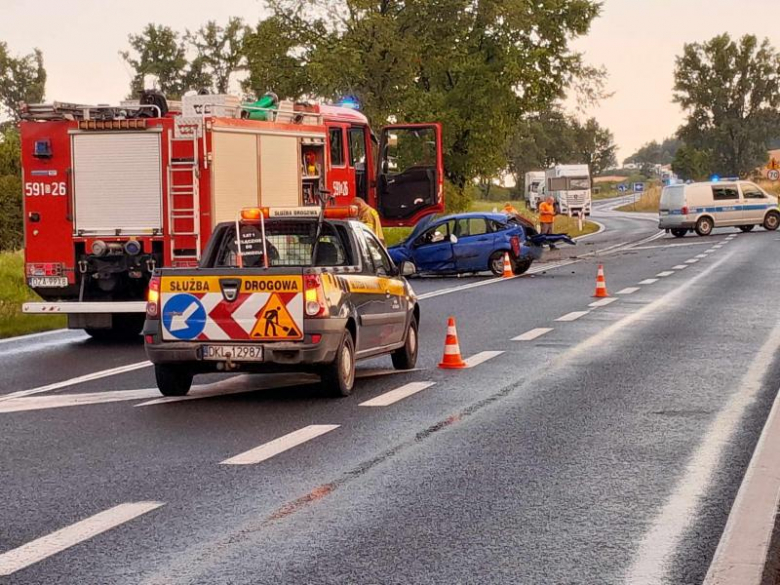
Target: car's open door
{"points": [[410, 173]]}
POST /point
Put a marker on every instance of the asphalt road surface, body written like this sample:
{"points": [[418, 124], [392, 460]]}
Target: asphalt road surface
{"points": [[586, 444]]}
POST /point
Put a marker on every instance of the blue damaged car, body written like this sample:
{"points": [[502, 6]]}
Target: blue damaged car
{"points": [[473, 242]]}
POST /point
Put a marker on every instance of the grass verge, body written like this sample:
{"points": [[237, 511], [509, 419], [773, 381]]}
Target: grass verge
{"points": [[14, 292], [647, 203]]}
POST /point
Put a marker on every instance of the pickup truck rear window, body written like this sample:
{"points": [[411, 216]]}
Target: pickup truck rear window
{"points": [[288, 243]]}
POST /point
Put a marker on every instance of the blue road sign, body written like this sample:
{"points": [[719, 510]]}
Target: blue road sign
{"points": [[639, 187], [184, 316], [622, 188]]}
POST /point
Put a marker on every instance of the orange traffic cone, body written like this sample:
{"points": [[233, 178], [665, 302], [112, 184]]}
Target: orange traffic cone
{"points": [[508, 272], [601, 284], [452, 359]]}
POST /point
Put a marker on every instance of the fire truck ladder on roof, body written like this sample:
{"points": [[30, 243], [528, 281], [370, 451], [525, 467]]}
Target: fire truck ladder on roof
{"points": [[184, 195]]}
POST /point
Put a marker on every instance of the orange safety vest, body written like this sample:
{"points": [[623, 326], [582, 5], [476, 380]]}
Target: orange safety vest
{"points": [[546, 213]]}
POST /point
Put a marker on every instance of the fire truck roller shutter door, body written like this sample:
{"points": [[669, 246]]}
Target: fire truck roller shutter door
{"points": [[235, 176], [117, 182], [280, 171]]}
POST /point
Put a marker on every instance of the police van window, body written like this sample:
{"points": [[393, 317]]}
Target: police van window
{"points": [[382, 263], [725, 192], [357, 148], [750, 191], [336, 147]]}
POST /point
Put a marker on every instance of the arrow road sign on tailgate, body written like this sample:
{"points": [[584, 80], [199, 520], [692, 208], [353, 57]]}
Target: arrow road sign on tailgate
{"points": [[184, 316]]}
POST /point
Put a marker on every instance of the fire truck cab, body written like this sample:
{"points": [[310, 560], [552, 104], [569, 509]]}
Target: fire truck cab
{"points": [[111, 193]]}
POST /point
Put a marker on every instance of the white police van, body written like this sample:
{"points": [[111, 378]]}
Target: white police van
{"points": [[704, 206]]}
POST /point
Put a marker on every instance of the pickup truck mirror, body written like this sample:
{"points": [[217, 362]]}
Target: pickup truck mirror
{"points": [[408, 268]]}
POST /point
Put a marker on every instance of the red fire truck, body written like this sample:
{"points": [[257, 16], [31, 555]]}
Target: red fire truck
{"points": [[110, 193]]}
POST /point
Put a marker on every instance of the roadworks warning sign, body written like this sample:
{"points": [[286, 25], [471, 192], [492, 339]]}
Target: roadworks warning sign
{"points": [[275, 323]]}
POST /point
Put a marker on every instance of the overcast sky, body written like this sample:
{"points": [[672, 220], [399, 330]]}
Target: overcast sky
{"points": [[636, 40]]}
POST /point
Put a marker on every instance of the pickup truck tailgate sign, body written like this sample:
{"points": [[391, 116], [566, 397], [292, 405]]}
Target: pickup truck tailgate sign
{"points": [[267, 308]]}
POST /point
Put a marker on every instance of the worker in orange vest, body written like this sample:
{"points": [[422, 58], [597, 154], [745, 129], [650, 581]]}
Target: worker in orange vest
{"points": [[547, 217]]}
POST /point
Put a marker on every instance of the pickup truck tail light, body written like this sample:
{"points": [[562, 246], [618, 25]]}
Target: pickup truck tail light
{"points": [[515, 241], [314, 296], [153, 299]]}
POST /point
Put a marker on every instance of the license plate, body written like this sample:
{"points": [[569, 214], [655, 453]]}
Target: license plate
{"points": [[48, 281], [236, 353]]}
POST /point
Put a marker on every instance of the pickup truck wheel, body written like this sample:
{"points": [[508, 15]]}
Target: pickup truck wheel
{"points": [[173, 380], [521, 266], [338, 378], [406, 357]]}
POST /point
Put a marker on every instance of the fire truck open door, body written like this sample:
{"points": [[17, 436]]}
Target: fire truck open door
{"points": [[410, 177]]}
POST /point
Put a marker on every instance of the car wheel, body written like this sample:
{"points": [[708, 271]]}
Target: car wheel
{"points": [[746, 228], [406, 357], [496, 263], [338, 378], [772, 221], [704, 226], [521, 266], [679, 233], [173, 380]]}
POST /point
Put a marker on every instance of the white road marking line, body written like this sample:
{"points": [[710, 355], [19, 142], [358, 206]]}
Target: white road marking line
{"points": [[78, 380], [665, 274], [710, 251], [394, 396], [481, 358], [700, 256], [56, 542], [649, 281], [628, 291], [692, 261], [572, 316], [680, 510], [603, 302], [680, 267], [280, 445], [532, 334], [742, 551], [63, 400]]}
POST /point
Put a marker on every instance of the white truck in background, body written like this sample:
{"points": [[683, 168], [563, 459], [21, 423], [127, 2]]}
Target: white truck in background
{"points": [[534, 182], [570, 186]]}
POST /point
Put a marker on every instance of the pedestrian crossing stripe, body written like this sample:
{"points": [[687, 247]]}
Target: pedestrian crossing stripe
{"points": [[275, 323]]}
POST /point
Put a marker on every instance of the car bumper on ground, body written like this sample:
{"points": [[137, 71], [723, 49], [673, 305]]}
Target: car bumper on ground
{"points": [[276, 356]]}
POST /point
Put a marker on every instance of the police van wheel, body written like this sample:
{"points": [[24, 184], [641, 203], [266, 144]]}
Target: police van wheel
{"points": [[338, 378], [704, 226], [679, 233], [772, 221], [746, 228], [173, 380], [406, 357]]}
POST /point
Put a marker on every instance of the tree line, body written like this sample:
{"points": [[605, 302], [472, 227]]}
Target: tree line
{"points": [[729, 90]]}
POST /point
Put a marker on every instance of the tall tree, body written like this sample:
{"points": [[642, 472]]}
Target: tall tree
{"points": [[555, 138], [730, 91], [160, 51], [653, 153], [692, 164], [220, 50], [477, 66], [22, 79]]}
